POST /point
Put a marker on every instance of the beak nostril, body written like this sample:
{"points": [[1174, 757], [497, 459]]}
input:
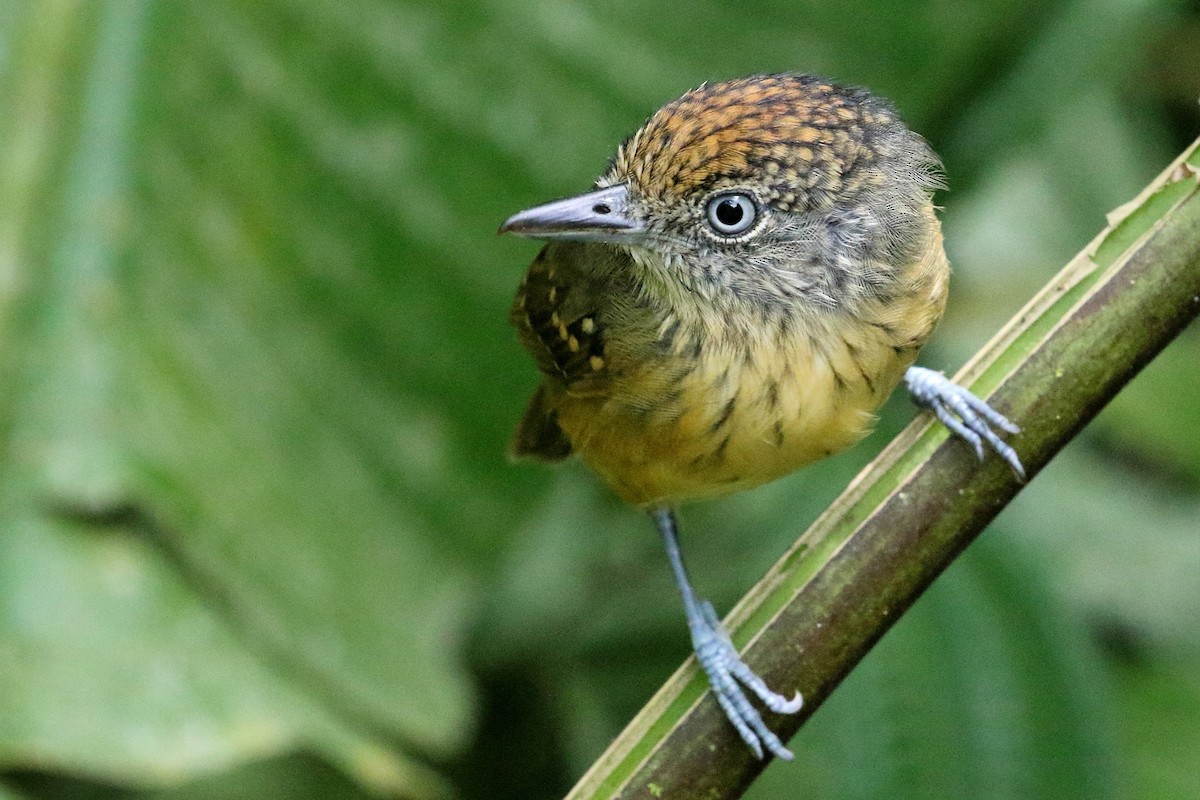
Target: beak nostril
{"points": [[597, 216]]}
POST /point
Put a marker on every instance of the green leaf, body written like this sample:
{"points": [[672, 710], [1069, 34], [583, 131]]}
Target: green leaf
{"points": [[120, 672], [1157, 420], [9, 794], [1161, 704], [194, 252], [985, 689], [1124, 550]]}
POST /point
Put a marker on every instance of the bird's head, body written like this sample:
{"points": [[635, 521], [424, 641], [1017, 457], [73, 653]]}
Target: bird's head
{"points": [[770, 190]]}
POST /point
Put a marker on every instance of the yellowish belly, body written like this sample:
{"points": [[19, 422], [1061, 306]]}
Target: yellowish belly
{"points": [[744, 414]]}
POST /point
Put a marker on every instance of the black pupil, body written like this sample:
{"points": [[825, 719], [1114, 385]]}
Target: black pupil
{"points": [[730, 212]]}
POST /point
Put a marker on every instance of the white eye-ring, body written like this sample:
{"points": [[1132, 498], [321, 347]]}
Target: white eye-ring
{"points": [[731, 213]]}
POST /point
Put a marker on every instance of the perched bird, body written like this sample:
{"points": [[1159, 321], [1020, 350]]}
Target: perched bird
{"points": [[753, 275]]}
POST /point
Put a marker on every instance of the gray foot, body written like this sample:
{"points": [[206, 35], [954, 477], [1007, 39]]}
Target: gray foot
{"points": [[728, 675], [719, 659], [963, 413]]}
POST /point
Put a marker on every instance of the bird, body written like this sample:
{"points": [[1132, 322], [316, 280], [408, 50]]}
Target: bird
{"points": [[743, 287]]}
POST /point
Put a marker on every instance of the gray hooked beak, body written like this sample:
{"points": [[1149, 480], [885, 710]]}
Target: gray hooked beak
{"points": [[599, 216]]}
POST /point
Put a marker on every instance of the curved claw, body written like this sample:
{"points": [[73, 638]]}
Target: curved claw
{"points": [[967, 416], [728, 675]]}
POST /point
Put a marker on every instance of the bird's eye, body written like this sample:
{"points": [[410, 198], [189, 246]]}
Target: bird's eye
{"points": [[731, 213]]}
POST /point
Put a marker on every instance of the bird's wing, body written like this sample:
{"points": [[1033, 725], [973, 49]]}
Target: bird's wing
{"points": [[558, 313], [568, 296]]}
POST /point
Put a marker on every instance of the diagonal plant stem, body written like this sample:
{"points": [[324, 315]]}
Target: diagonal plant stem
{"points": [[923, 500]]}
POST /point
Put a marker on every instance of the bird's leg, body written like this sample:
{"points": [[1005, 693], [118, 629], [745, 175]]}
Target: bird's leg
{"points": [[963, 413], [720, 660]]}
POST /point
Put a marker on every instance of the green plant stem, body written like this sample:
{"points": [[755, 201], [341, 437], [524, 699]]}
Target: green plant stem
{"points": [[924, 499]]}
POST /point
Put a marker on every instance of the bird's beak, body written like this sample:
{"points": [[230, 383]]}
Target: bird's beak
{"points": [[599, 216]]}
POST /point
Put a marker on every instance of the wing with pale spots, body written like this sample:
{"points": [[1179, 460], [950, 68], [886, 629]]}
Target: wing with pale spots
{"points": [[555, 313], [556, 319]]}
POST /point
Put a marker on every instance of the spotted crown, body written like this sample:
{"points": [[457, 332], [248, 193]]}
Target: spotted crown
{"points": [[803, 142]]}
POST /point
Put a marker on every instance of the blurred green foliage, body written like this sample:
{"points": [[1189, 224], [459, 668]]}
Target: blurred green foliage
{"points": [[257, 536]]}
